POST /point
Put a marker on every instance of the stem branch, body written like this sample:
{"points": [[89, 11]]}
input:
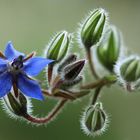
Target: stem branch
{"points": [[94, 84], [110, 79], [49, 117]]}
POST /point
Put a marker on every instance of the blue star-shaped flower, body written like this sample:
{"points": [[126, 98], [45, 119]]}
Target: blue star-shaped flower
{"points": [[16, 70]]}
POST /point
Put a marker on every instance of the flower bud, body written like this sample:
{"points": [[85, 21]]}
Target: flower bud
{"points": [[93, 27], [58, 47], [15, 106], [94, 120], [69, 59], [71, 71], [128, 72], [108, 51]]}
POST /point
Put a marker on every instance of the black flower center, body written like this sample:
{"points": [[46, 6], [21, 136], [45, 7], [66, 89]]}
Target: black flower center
{"points": [[17, 63]]}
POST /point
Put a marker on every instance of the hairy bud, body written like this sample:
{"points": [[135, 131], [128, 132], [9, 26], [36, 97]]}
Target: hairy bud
{"points": [[94, 120], [93, 28], [71, 58], [58, 47], [128, 72], [15, 106], [71, 71], [108, 51]]}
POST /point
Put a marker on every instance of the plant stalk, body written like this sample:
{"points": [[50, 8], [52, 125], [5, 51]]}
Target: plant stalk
{"points": [[49, 117]]}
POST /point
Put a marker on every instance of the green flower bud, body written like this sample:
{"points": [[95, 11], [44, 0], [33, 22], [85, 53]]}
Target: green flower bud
{"points": [[93, 27], [15, 106], [128, 72], [94, 120], [58, 47], [108, 51]]}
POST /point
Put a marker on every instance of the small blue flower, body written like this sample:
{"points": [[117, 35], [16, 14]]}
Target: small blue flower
{"points": [[17, 70]]}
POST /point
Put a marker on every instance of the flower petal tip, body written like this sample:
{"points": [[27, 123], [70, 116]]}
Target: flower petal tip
{"points": [[40, 98]]}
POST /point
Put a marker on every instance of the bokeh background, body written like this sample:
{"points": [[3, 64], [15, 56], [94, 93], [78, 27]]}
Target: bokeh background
{"points": [[30, 24]]}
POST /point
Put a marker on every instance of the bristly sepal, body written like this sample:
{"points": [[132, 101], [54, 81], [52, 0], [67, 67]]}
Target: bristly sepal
{"points": [[109, 50], [16, 107], [93, 27], [69, 84], [69, 59], [71, 71], [128, 72], [94, 120], [58, 46]]}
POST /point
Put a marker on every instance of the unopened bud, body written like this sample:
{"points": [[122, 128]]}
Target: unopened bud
{"points": [[71, 71], [94, 120], [71, 58], [58, 47], [15, 106], [108, 51], [128, 72], [93, 28]]}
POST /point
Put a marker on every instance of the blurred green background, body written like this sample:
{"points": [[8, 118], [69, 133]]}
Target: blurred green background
{"points": [[30, 24]]}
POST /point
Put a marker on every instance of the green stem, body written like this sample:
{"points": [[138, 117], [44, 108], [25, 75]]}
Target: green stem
{"points": [[94, 84], [91, 64], [96, 95], [110, 79]]}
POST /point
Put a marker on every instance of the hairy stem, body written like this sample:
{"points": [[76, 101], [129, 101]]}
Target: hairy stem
{"points": [[94, 84], [91, 64], [49, 117], [46, 93], [110, 79], [50, 72], [67, 94], [96, 95]]}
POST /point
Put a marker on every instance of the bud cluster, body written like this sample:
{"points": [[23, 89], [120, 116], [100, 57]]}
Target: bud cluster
{"points": [[68, 75], [65, 73]]}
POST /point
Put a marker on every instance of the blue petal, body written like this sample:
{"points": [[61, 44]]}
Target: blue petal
{"points": [[5, 84], [10, 52], [29, 87], [35, 65], [3, 65]]}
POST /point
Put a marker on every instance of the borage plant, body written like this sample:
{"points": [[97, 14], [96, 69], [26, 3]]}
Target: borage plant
{"points": [[64, 73]]}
